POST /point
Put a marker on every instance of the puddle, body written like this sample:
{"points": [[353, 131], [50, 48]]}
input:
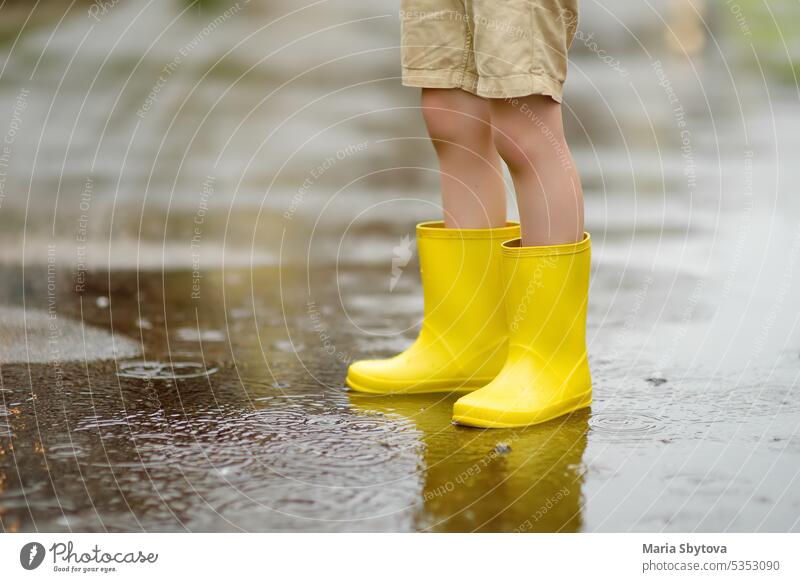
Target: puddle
{"points": [[32, 335]]}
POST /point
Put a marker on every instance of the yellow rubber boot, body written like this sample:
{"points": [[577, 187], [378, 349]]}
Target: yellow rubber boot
{"points": [[463, 342], [547, 372]]}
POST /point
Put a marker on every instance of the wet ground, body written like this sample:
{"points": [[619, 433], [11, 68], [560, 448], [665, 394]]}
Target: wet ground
{"points": [[193, 249]]}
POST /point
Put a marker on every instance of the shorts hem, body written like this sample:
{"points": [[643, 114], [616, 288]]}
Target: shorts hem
{"points": [[488, 87], [441, 79]]}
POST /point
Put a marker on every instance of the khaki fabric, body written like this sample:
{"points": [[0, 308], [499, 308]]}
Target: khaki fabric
{"points": [[492, 48]]}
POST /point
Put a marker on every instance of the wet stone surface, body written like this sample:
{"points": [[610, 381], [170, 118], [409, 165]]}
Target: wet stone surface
{"points": [[257, 433]]}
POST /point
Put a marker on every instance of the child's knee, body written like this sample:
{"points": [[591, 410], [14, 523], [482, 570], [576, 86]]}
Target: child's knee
{"points": [[517, 145], [520, 140]]}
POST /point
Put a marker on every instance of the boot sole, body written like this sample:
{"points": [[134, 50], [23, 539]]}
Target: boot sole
{"points": [[441, 386], [582, 401]]}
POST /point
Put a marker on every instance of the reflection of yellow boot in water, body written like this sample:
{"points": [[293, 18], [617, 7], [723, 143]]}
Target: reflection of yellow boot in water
{"points": [[463, 341], [490, 481], [547, 372]]}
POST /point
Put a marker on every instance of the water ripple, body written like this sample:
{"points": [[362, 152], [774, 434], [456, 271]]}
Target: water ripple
{"points": [[633, 426], [164, 370]]}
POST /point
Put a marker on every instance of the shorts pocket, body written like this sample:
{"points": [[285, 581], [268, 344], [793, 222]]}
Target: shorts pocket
{"points": [[433, 34], [504, 37]]}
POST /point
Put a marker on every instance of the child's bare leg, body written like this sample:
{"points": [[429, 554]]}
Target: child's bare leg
{"points": [[459, 124], [529, 134]]}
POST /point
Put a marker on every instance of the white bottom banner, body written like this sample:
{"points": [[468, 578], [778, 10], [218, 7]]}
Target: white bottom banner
{"points": [[32, 556]]}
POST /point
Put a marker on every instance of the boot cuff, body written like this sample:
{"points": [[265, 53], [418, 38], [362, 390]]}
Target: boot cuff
{"points": [[511, 248], [437, 229]]}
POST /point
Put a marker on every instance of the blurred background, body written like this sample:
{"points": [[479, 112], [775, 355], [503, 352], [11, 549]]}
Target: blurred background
{"points": [[203, 208]]}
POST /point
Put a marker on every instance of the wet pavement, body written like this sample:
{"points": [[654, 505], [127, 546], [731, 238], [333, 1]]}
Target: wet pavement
{"points": [[198, 234]]}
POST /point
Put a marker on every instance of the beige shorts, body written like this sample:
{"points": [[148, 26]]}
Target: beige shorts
{"points": [[491, 48]]}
